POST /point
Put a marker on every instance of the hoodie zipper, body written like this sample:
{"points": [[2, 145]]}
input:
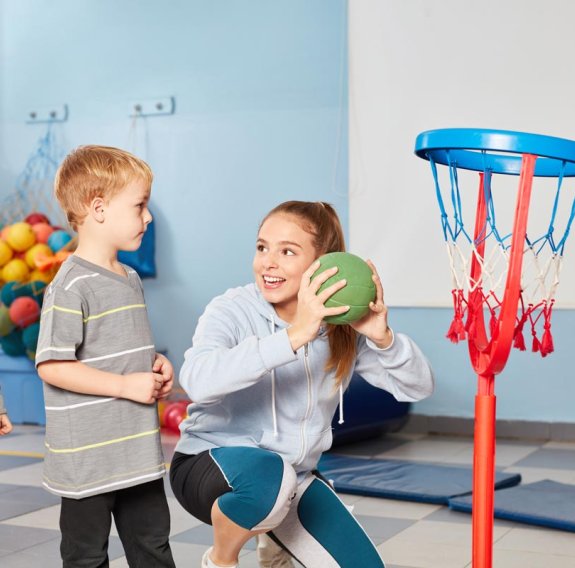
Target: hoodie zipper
{"points": [[308, 409]]}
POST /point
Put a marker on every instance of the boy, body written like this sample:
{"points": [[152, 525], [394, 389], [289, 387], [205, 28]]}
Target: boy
{"points": [[102, 376], [5, 424]]}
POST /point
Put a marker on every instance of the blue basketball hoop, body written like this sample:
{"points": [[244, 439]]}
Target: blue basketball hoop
{"points": [[493, 150]]}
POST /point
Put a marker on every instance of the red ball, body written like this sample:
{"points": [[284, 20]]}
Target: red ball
{"points": [[24, 311], [173, 415], [34, 218]]}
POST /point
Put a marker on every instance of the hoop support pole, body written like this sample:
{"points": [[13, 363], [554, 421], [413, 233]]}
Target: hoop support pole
{"points": [[508, 313], [483, 475]]}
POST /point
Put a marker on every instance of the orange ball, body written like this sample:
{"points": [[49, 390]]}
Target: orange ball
{"points": [[16, 270], [21, 236], [42, 231], [36, 251]]}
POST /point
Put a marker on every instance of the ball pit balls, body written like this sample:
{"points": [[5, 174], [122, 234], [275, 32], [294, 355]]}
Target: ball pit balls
{"points": [[6, 253], [58, 240], [21, 236], [15, 270], [45, 276], [12, 344], [35, 218], [30, 336], [6, 324], [37, 251], [357, 293], [24, 311], [42, 232], [12, 290]]}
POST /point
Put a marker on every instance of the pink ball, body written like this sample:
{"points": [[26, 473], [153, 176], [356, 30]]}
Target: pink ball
{"points": [[42, 231], [24, 311]]}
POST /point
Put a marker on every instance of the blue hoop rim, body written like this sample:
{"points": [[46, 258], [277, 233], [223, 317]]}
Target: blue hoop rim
{"points": [[470, 149]]}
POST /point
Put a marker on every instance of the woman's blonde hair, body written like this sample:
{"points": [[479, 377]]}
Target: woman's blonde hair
{"points": [[95, 171], [320, 220]]}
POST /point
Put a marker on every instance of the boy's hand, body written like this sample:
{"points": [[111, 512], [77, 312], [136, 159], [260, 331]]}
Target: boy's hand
{"points": [[5, 425], [142, 387], [163, 366]]}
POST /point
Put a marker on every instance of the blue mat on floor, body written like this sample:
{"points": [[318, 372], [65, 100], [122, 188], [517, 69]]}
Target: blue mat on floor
{"points": [[546, 503], [400, 479]]}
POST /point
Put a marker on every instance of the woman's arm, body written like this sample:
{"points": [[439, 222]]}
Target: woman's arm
{"points": [[401, 369], [225, 358]]}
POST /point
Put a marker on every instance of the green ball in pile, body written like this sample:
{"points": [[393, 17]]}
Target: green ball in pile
{"points": [[357, 293]]}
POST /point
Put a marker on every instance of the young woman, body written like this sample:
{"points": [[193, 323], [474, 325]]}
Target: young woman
{"points": [[266, 376]]}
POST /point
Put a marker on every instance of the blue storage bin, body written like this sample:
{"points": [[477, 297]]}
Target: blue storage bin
{"points": [[22, 390]]}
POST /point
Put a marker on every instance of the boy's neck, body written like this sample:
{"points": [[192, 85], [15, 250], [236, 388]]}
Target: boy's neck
{"points": [[100, 257]]}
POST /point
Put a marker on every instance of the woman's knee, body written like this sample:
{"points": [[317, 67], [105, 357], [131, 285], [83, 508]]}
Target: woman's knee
{"points": [[262, 490]]}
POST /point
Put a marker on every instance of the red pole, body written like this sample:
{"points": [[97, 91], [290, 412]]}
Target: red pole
{"points": [[488, 359], [483, 473]]}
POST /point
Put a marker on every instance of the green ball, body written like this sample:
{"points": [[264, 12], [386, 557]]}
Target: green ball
{"points": [[357, 293]]}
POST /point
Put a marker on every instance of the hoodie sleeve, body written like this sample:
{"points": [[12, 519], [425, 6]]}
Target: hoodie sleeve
{"points": [[224, 359], [401, 369], [2, 408]]}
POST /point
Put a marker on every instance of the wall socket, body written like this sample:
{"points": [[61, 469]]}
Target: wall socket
{"points": [[54, 113], [152, 107]]}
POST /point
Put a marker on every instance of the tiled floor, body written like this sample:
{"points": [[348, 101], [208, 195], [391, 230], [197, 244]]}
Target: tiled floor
{"points": [[408, 534]]}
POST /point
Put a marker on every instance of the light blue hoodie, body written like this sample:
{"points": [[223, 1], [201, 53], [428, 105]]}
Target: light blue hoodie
{"points": [[250, 389]]}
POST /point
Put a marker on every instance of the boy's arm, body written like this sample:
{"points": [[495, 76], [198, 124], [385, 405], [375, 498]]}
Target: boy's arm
{"points": [[81, 378]]}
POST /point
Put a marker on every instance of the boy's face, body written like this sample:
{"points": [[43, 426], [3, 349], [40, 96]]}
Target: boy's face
{"points": [[127, 216]]}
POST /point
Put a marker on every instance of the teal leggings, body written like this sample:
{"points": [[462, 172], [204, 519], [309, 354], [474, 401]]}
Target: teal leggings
{"points": [[259, 490]]}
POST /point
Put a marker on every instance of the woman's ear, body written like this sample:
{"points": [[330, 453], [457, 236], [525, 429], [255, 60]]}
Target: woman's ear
{"points": [[96, 210]]}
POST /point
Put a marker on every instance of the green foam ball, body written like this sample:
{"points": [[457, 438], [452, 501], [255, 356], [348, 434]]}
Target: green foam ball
{"points": [[357, 293]]}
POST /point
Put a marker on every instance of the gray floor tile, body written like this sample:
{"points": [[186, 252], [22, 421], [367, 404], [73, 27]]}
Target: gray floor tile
{"points": [[11, 462], [13, 538], [550, 459], [381, 529]]}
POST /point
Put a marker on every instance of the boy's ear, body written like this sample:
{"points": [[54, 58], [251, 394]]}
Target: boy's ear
{"points": [[96, 210]]}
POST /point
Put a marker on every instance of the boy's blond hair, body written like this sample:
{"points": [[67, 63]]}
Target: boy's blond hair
{"points": [[95, 171]]}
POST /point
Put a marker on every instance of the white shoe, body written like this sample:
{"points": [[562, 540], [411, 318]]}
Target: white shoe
{"points": [[207, 562]]}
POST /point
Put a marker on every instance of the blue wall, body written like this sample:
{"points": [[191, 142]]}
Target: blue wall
{"points": [[261, 117]]}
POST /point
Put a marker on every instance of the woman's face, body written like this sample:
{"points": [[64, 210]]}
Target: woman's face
{"points": [[284, 251]]}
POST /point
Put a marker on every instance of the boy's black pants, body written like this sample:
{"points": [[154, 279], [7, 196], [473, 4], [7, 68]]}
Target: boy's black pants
{"points": [[142, 518]]}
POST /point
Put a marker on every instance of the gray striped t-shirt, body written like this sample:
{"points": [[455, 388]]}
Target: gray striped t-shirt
{"points": [[97, 444]]}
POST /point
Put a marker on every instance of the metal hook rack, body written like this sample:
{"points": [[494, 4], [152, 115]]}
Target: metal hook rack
{"points": [[54, 113]]}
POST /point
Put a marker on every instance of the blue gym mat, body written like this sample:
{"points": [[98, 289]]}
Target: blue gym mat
{"points": [[546, 503], [399, 479]]}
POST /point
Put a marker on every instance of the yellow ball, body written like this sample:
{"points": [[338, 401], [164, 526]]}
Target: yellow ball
{"points": [[15, 270], [21, 236], [35, 251], [39, 276], [6, 253]]}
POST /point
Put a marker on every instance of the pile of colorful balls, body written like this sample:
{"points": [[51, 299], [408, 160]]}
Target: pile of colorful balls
{"points": [[31, 251]]}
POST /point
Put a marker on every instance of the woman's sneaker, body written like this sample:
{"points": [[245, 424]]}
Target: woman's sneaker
{"points": [[207, 562]]}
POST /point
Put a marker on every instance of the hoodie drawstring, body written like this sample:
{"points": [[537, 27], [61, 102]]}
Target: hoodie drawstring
{"points": [[274, 413], [340, 421]]}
